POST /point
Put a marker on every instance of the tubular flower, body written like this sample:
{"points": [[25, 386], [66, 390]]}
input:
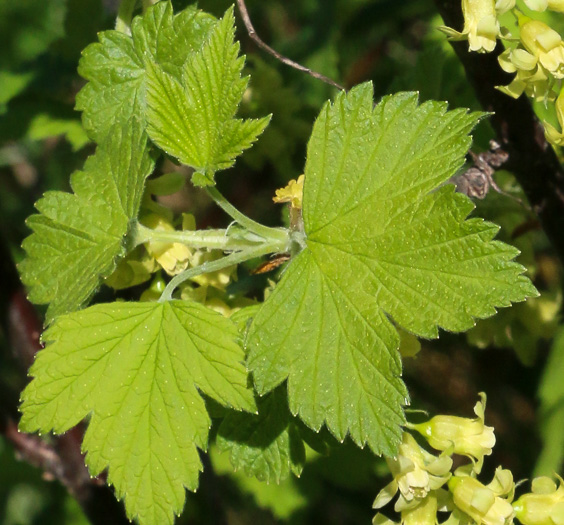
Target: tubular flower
{"points": [[468, 437], [481, 26], [485, 504], [542, 5], [553, 136], [537, 61], [416, 472], [544, 505]]}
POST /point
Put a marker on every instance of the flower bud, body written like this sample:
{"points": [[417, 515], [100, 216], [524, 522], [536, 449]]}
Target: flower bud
{"points": [[544, 505]]}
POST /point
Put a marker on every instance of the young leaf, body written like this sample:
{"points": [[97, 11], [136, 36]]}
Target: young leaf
{"points": [[115, 67], [78, 237], [266, 445], [192, 118], [136, 368], [380, 242]]}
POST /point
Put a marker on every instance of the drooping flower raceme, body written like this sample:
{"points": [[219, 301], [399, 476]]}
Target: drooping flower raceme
{"points": [[459, 435]]}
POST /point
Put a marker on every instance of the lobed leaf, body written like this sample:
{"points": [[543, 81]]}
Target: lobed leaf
{"points": [[115, 67], [266, 445], [192, 118], [382, 242], [136, 369], [78, 237]]}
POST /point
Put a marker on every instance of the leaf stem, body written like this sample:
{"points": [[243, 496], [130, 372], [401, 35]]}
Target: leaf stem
{"points": [[214, 266], [125, 15], [264, 231]]}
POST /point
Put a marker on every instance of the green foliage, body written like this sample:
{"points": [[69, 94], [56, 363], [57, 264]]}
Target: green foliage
{"points": [[192, 118], [137, 368], [268, 445], [116, 66], [78, 237], [383, 252], [378, 243]]}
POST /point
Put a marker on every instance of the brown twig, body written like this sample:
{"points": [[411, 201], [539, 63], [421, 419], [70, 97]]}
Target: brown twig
{"points": [[531, 159], [253, 35]]}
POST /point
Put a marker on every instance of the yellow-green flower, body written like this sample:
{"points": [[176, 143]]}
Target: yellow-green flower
{"points": [[425, 513], [416, 472], [502, 6], [468, 437], [172, 256], [485, 504], [481, 27], [537, 60], [552, 135], [544, 505], [542, 5], [292, 193]]}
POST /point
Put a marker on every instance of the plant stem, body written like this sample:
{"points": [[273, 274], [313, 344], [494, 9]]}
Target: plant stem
{"points": [[214, 266], [253, 226], [125, 15], [212, 239]]}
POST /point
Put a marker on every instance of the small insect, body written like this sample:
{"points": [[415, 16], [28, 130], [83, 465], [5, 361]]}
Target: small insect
{"points": [[268, 266]]}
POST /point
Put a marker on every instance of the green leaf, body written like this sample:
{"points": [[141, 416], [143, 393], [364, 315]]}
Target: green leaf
{"points": [[382, 242], [282, 500], [267, 445], [192, 118], [78, 237], [45, 125], [115, 67], [136, 369]]}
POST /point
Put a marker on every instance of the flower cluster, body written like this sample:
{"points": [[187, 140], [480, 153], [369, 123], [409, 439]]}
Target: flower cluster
{"points": [[536, 60], [426, 487]]}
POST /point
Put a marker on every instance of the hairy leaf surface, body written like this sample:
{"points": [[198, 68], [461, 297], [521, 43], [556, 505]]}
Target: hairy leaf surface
{"points": [[136, 369], [192, 118], [266, 445], [115, 67], [78, 236], [383, 243]]}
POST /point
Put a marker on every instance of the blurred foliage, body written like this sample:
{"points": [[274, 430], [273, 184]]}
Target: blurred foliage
{"points": [[395, 45]]}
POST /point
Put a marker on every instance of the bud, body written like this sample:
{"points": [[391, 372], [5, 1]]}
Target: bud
{"points": [[544, 505]]}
